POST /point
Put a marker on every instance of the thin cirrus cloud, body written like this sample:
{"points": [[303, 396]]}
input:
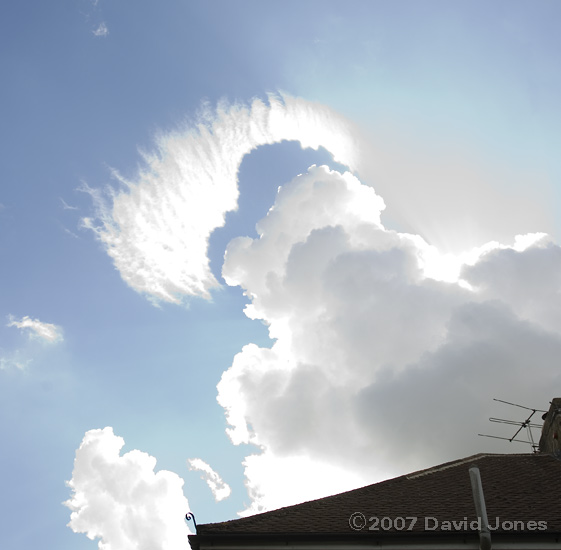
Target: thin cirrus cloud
{"points": [[47, 332], [121, 500], [14, 360], [156, 230], [219, 488]]}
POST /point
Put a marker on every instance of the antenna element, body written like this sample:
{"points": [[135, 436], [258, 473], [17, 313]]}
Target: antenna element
{"points": [[524, 424]]}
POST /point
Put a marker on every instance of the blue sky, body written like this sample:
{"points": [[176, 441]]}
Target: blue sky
{"points": [[135, 116]]}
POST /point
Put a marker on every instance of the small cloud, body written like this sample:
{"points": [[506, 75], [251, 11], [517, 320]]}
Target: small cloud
{"points": [[46, 331], [220, 489], [102, 30], [71, 233], [122, 500], [67, 231], [13, 362], [65, 205]]}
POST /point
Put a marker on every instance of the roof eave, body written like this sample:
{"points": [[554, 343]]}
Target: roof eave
{"points": [[412, 541]]}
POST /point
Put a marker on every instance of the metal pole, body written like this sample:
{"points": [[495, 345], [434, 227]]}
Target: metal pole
{"points": [[480, 509]]}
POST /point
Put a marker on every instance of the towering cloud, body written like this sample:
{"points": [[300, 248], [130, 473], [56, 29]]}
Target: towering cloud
{"points": [[380, 364], [122, 501], [156, 229]]}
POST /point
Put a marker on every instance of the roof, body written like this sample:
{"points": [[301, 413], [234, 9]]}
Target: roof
{"points": [[517, 488]]}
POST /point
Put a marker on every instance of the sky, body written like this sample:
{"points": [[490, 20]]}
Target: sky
{"points": [[258, 253]]}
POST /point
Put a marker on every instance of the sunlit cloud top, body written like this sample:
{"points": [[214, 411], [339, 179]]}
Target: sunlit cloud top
{"points": [[156, 228]]}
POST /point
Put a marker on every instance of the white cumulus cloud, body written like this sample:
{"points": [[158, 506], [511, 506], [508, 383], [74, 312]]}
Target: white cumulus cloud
{"points": [[381, 363], [156, 229], [37, 329], [121, 499], [220, 489]]}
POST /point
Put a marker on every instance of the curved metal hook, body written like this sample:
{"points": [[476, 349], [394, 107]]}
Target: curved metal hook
{"points": [[191, 516]]}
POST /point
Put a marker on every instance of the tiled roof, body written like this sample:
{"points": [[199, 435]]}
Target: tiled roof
{"points": [[517, 487]]}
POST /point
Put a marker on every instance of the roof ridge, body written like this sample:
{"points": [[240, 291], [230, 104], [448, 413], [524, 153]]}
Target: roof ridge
{"points": [[459, 462], [448, 465]]}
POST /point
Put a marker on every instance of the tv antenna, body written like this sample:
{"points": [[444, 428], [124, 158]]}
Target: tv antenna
{"points": [[521, 425]]}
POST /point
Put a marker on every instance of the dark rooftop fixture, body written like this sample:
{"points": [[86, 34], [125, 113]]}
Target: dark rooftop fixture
{"points": [[551, 431], [191, 516], [521, 425]]}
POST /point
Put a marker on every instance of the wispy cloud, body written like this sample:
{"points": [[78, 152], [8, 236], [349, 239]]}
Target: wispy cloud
{"points": [[37, 329], [121, 499], [220, 489], [157, 229], [101, 30], [71, 233], [66, 206], [13, 360]]}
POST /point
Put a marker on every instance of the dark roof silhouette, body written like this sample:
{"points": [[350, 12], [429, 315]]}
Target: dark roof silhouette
{"points": [[517, 488]]}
